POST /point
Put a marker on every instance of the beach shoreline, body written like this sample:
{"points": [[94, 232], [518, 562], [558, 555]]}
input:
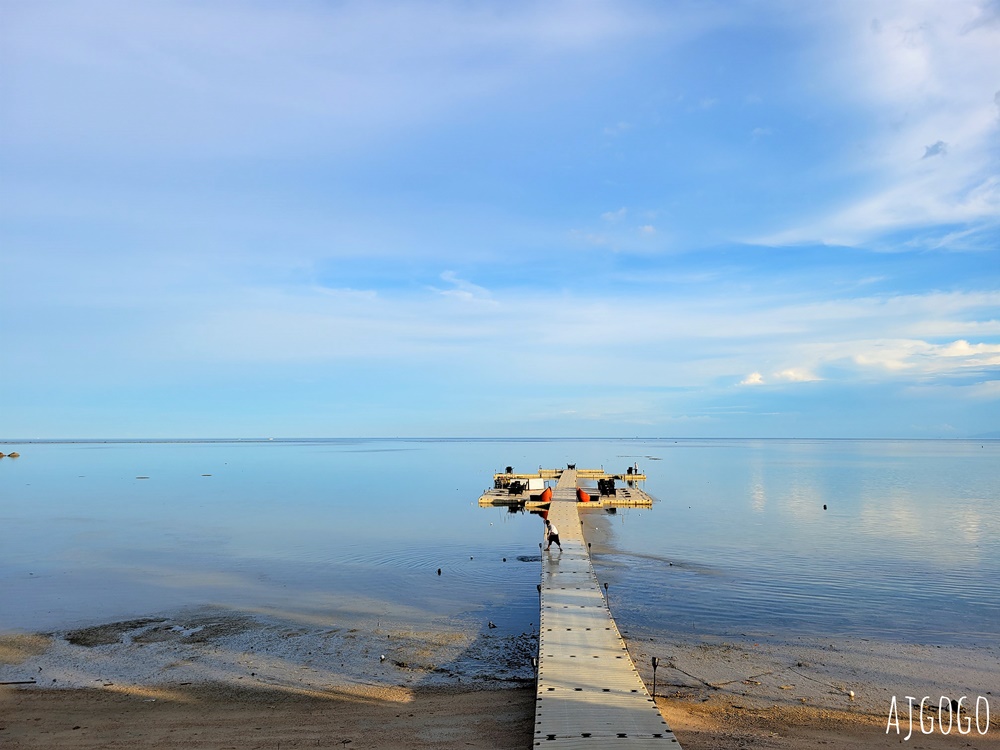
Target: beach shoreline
{"points": [[839, 693], [224, 716], [210, 678], [213, 715]]}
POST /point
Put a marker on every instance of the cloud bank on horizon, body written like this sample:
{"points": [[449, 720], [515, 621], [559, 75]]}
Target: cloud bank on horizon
{"points": [[313, 218]]}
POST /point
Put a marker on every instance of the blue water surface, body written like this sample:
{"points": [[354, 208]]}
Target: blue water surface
{"points": [[907, 549]]}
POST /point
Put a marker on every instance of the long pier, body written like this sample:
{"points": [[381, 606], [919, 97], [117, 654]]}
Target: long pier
{"points": [[589, 692]]}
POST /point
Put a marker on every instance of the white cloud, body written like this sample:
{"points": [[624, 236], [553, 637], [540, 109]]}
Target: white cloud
{"points": [[788, 375], [922, 73], [615, 216], [647, 229], [965, 349], [924, 201], [921, 357], [464, 290], [232, 77], [687, 339], [797, 375]]}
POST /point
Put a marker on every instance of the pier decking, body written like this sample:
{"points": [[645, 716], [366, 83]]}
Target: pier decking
{"points": [[589, 692]]}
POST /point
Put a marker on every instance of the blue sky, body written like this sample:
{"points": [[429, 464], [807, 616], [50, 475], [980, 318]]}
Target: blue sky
{"points": [[453, 218]]}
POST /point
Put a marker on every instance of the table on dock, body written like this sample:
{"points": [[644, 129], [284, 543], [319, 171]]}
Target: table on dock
{"points": [[589, 692]]}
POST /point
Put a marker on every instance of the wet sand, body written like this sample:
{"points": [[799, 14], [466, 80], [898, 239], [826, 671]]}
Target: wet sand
{"points": [[224, 716], [724, 724], [718, 693], [220, 679]]}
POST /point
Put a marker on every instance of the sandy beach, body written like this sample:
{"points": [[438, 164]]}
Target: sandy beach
{"points": [[221, 716], [224, 716], [221, 679], [733, 694]]}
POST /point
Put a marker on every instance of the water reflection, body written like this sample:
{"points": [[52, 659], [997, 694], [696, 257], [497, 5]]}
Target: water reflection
{"points": [[758, 498], [738, 539], [908, 529]]}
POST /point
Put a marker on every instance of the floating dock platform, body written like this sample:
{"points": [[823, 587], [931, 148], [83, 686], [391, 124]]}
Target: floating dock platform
{"points": [[627, 496], [624, 497]]}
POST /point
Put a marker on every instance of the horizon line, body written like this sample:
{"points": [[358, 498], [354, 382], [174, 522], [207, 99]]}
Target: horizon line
{"points": [[451, 438]]}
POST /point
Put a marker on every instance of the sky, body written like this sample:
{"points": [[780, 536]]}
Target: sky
{"points": [[317, 218]]}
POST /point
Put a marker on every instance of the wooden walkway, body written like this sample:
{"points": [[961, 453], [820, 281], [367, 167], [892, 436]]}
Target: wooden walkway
{"points": [[589, 693]]}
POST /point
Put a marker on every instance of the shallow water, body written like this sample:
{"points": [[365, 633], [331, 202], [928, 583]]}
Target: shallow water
{"points": [[324, 531]]}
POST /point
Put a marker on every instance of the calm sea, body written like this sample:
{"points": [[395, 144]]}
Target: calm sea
{"points": [[895, 540]]}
